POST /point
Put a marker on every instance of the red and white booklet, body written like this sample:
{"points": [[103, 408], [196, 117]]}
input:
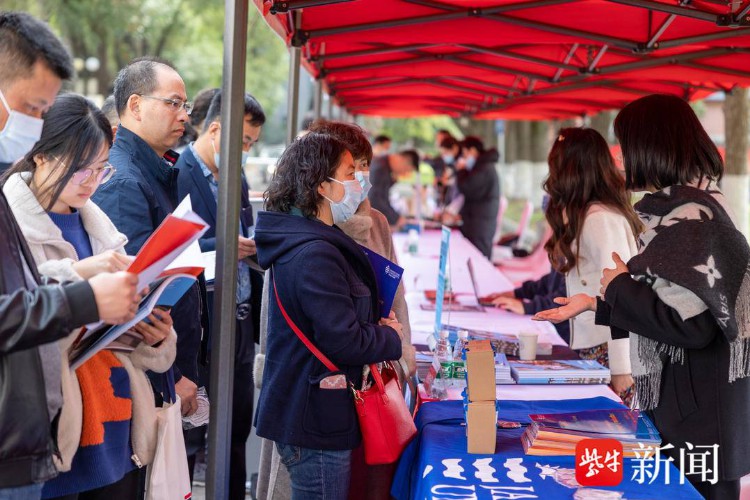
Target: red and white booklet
{"points": [[174, 235], [159, 264]]}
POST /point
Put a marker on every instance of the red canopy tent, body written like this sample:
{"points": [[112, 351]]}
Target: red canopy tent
{"points": [[533, 59], [522, 59]]}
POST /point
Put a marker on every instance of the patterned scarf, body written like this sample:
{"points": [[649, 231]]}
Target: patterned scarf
{"points": [[695, 259]]}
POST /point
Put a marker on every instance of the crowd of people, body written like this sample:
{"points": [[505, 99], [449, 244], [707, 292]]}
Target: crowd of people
{"points": [[83, 188]]}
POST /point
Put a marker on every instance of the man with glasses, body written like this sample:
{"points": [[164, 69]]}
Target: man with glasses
{"points": [[199, 175], [153, 109], [34, 316]]}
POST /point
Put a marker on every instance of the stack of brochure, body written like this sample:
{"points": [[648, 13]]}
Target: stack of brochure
{"points": [[502, 370], [558, 434], [559, 371]]}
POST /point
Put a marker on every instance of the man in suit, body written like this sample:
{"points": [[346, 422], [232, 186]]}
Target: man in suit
{"points": [[198, 177]]}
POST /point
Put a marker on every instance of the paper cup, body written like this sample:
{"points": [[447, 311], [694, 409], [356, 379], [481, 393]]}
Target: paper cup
{"points": [[527, 342]]}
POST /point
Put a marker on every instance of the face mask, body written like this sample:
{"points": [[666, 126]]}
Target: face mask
{"points": [[470, 162], [20, 134], [217, 157], [364, 181], [343, 210], [448, 158]]}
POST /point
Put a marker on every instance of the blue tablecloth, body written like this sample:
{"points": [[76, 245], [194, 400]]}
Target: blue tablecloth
{"points": [[437, 466]]}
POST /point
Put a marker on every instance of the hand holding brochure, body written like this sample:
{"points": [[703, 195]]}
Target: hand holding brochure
{"points": [[388, 276], [177, 232]]}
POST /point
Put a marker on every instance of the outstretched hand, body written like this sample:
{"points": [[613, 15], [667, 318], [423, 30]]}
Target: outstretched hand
{"points": [[569, 308], [611, 273]]}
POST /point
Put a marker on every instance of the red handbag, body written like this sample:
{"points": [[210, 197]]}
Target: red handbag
{"points": [[385, 422]]}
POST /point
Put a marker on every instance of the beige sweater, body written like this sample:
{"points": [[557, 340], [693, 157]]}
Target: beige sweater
{"points": [[55, 257]]}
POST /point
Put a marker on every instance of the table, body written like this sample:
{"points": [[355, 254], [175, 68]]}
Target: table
{"points": [[420, 274], [436, 464]]}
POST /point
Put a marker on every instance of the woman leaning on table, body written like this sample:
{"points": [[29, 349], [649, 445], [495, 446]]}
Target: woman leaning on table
{"points": [[685, 297], [106, 430], [327, 287], [590, 215]]}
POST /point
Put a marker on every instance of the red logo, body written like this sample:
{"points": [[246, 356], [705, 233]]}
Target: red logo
{"points": [[599, 462]]}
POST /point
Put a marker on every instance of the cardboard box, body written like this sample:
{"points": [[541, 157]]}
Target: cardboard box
{"points": [[481, 427], [480, 370]]}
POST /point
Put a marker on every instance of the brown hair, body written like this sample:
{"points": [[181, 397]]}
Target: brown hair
{"points": [[581, 172]]}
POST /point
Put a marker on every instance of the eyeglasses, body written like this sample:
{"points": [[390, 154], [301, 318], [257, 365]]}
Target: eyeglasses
{"points": [[100, 175], [174, 104]]}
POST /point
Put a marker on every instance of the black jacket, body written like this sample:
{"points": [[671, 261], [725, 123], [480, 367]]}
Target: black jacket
{"points": [[481, 190], [328, 288], [139, 196], [381, 179], [27, 320], [697, 403]]}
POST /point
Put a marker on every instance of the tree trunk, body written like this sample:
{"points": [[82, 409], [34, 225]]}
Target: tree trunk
{"points": [[539, 141], [601, 123], [511, 141], [524, 140], [736, 184]]}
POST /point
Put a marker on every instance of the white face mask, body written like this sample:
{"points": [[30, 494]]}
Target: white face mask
{"points": [[217, 157], [20, 134], [364, 180], [344, 209]]}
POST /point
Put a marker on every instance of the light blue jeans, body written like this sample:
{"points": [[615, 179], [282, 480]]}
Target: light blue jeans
{"points": [[317, 474], [30, 492]]}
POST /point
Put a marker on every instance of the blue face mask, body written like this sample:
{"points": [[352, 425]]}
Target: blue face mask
{"points": [[470, 162], [448, 159], [364, 181], [344, 209]]}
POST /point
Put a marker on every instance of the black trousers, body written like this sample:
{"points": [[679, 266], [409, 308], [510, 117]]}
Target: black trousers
{"points": [[722, 490], [126, 488], [242, 412]]}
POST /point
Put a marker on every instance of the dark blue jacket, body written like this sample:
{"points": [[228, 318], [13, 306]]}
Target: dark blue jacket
{"points": [[327, 286], [142, 192], [191, 181], [539, 296]]}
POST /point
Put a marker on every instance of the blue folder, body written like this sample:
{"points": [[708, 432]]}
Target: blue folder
{"points": [[388, 275]]}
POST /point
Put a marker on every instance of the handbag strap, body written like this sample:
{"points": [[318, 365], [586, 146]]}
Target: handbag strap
{"points": [[322, 357]]}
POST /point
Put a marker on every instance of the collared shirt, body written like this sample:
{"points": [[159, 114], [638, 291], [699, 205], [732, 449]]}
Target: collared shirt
{"points": [[243, 270]]}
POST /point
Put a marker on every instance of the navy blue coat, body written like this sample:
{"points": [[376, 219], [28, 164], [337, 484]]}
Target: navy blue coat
{"points": [[328, 287], [138, 197], [191, 181]]}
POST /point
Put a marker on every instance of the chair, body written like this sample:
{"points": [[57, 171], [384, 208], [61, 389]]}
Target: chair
{"points": [[523, 226], [531, 267], [502, 206]]}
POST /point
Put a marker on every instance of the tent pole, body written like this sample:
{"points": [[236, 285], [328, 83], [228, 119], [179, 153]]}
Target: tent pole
{"points": [[295, 58], [228, 211], [318, 99]]}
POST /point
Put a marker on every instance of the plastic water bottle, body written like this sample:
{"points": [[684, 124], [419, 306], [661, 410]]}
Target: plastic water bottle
{"points": [[413, 241], [442, 365], [459, 366]]}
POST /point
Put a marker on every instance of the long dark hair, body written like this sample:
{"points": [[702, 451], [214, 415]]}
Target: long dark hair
{"points": [[302, 167], [581, 172], [74, 132], [663, 144]]}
